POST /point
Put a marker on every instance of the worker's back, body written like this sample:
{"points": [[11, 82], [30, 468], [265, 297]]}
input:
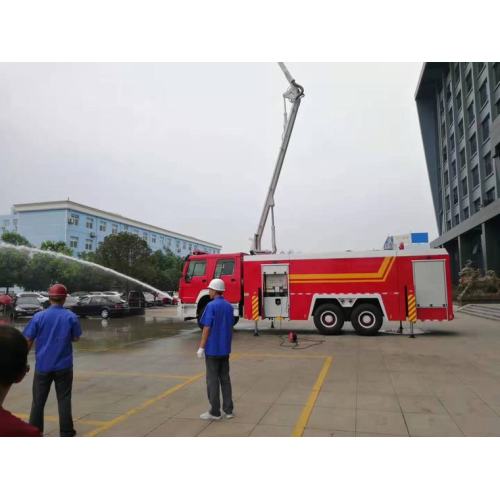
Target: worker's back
{"points": [[53, 330], [219, 316]]}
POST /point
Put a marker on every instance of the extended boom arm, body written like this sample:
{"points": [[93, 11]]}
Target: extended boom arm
{"points": [[294, 94]]}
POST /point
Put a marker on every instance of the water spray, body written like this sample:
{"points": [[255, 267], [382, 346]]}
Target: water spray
{"points": [[31, 250]]}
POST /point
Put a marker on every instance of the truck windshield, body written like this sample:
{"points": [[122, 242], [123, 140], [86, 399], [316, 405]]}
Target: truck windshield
{"points": [[197, 268], [224, 268]]}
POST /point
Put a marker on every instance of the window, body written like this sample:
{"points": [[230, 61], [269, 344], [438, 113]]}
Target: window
{"points": [[496, 72], [466, 213], [475, 177], [114, 228], [452, 142], [447, 202], [457, 219], [462, 158], [483, 96], [459, 100], [454, 168], [446, 178], [468, 82], [460, 129], [448, 225], [464, 186], [470, 113], [456, 71], [153, 239], [145, 236], [73, 242], [490, 196], [88, 244], [477, 204], [184, 245], [102, 226], [488, 167], [473, 144], [75, 219], [197, 268], [89, 224], [455, 195], [485, 128], [224, 268]]}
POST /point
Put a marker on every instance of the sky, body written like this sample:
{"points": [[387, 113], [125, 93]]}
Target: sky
{"points": [[191, 147]]}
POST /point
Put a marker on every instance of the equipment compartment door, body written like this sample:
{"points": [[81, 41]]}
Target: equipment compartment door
{"points": [[429, 277], [275, 290]]}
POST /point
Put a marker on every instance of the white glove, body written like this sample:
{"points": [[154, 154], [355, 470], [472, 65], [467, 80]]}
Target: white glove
{"points": [[200, 352]]}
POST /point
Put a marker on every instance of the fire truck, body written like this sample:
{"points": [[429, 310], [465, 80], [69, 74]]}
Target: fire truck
{"points": [[364, 288], [361, 287]]}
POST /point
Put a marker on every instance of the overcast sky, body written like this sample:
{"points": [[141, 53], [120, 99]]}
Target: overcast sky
{"points": [[192, 147]]}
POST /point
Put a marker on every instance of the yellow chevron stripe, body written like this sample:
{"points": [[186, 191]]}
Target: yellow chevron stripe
{"points": [[379, 276]]}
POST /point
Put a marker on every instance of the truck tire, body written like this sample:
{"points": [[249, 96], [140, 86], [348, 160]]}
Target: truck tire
{"points": [[366, 319], [104, 314], [329, 319]]}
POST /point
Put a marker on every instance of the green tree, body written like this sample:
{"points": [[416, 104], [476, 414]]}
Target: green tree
{"points": [[15, 239], [13, 267], [127, 254], [56, 246]]}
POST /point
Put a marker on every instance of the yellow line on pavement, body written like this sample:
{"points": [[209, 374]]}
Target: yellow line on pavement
{"points": [[130, 374], [289, 356], [308, 408], [144, 405], [51, 418]]}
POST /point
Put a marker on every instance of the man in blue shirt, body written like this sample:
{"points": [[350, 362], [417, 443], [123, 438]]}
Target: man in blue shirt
{"points": [[217, 321], [53, 331]]}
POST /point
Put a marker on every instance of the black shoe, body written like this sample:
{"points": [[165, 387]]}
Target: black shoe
{"points": [[71, 434]]}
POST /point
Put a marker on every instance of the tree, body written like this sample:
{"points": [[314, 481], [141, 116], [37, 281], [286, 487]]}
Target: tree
{"points": [[127, 254], [15, 239], [56, 246], [13, 265]]}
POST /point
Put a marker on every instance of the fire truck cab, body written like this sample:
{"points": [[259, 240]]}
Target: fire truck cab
{"points": [[364, 288]]}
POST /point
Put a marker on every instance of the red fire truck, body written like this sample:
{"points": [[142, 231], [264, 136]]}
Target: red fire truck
{"points": [[364, 288]]}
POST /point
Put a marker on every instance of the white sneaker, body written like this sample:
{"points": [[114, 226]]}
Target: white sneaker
{"points": [[208, 416], [229, 415]]}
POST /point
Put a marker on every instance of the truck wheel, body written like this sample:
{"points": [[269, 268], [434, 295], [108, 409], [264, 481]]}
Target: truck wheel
{"points": [[366, 319], [104, 314], [329, 319]]}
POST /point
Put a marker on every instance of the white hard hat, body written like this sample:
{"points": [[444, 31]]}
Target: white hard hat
{"points": [[217, 285]]}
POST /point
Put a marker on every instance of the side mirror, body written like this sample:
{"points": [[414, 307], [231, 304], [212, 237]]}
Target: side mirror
{"points": [[187, 278]]}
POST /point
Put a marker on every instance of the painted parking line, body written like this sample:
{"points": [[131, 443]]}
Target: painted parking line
{"points": [[129, 374], [143, 406], [50, 418], [298, 430]]}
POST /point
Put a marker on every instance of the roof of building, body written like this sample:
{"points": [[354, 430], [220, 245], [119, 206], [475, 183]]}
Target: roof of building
{"points": [[431, 72], [71, 205]]}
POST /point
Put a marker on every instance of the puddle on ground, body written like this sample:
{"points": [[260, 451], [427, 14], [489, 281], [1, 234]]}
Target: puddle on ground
{"points": [[101, 335]]}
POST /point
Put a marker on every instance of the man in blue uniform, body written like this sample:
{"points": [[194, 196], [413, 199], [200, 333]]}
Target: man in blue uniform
{"points": [[217, 321], [53, 331]]}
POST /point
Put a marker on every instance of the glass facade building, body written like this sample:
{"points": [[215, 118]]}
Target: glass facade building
{"points": [[458, 106]]}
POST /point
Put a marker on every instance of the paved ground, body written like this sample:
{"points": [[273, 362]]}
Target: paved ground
{"points": [[445, 382]]}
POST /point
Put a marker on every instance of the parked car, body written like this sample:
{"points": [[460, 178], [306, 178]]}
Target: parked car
{"points": [[79, 294], [71, 301], [150, 299], [39, 296], [100, 305], [136, 302], [26, 306]]}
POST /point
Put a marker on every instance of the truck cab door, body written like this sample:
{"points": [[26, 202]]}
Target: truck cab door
{"points": [[228, 270], [195, 280]]}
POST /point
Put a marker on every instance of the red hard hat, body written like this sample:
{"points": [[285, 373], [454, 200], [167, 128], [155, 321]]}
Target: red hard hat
{"points": [[58, 290]]}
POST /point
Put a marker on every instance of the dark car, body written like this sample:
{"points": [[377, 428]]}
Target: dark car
{"points": [[136, 302], [100, 305], [26, 306]]}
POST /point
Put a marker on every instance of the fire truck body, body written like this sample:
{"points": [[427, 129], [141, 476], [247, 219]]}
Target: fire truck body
{"points": [[363, 288]]}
